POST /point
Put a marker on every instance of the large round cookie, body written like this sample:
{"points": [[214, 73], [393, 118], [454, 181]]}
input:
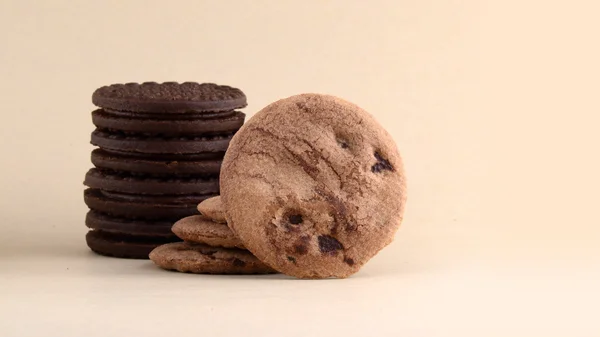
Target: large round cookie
{"points": [[313, 186]]}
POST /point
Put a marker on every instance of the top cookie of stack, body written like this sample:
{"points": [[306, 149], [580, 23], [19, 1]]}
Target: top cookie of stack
{"points": [[160, 151]]}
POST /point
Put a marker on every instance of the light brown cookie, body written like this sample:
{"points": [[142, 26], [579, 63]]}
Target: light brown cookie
{"points": [[199, 229], [212, 208], [313, 186], [202, 259]]}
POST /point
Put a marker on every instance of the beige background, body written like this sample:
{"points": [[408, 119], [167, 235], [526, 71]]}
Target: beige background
{"points": [[494, 105]]}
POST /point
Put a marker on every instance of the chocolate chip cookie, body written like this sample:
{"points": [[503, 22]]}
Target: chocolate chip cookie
{"points": [[212, 208], [200, 229], [202, 259], [313, 186]]}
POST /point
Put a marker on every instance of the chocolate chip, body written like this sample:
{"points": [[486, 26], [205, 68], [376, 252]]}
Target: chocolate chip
{"points": [[291, 259], [381, 164], [349, 261], [329, 244], [238, 263], [295, 219], [342, 143], [301, 249]]}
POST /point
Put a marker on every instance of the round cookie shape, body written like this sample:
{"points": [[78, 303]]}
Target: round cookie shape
{"points": [[212, 208], [199, 229], [202, 259], [171, 97], [313, 186]]}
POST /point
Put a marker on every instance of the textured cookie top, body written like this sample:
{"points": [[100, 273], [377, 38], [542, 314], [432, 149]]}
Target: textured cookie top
{"points": [[313, 186], [199, 229], [172, 97], [212, 208]]}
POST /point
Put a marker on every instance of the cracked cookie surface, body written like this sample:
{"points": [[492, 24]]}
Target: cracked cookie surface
{"points": [[313, 186]]}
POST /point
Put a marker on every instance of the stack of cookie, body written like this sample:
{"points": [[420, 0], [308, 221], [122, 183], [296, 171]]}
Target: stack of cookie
{"points": [[160, 153], [312, 186], [209, 246]]}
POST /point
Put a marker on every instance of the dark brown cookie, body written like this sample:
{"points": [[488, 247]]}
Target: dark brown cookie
{"points": [[169, 97], [152, 207], [181, 165], [313, 186], [122, 245], [202, 259], [199, 229], [159, 145], [190, 125], [127, 183], [107, 223], [212, 208]]}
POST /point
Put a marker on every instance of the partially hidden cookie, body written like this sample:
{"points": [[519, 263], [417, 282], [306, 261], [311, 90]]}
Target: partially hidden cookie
{"points": [[168, 165], [169, 97], [123, 245], [187, 124], [212, 208], [139, 227], [313, 186], [199, 229], [202, 259], [119, 181], [157, 144], [151, 207]]}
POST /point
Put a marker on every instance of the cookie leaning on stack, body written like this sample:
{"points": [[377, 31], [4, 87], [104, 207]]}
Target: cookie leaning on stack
{"points": [[160, 152], [210, 247], [313, 186]]}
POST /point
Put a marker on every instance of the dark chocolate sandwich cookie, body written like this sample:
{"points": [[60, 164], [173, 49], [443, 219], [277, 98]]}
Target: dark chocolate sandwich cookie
{"points": [[169, 97], [127, 183], [159, 144], [202, 259], [180, 124], [122, 245], [153, 207], [156, 165], [107, 223]]}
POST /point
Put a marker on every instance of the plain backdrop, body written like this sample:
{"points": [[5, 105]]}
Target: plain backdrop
{"points": [[493, 104]]}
